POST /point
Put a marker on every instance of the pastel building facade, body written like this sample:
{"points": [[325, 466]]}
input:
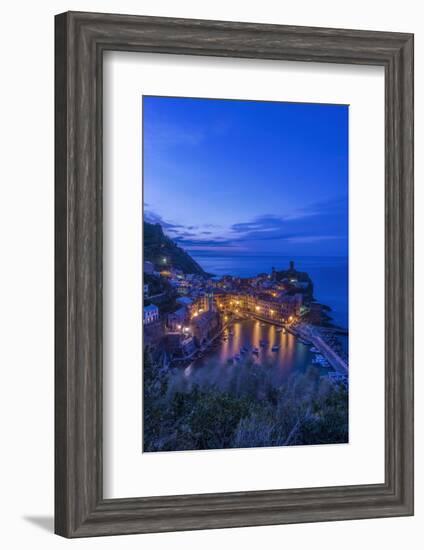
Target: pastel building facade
{"points": [[150, 314]]}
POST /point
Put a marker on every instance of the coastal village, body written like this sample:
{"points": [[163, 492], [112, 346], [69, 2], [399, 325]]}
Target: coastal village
{"points": [[184, 314]]}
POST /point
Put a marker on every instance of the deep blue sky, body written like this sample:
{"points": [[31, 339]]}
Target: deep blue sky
{"points": [[247, 177]]}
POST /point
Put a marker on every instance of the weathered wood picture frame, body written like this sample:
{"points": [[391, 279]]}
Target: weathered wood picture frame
{"points": [[81, 39]]}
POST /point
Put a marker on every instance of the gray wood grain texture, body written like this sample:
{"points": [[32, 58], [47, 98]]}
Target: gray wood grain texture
{"points": [[80, 40]]}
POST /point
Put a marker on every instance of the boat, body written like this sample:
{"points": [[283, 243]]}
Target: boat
{"points": [[279, 329], [263, 325], [275, 348], [263, 343], [255, 351], [320, 360], [314, 350], [237, 357]]}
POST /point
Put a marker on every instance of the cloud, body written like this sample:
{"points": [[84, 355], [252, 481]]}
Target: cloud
{"points": [[262, 223], [336, 205], [152, 217], [189, 242], [319, 222], [184, 235]]}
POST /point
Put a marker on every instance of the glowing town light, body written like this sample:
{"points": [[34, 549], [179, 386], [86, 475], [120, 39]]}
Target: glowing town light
{"points": [[195, 314], [179, 327], [272, 312], [291, 318], [185, 329], [257, 308]]}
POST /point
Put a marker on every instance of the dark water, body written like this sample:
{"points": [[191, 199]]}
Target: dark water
{"points": [[329, 275], [292, 356]]}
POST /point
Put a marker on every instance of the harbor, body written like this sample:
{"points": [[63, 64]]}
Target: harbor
{"points": [[254, 342], [245, 275]]}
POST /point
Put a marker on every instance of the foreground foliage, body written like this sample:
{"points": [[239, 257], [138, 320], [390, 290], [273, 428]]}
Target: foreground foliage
{"points": [[243, 408]]}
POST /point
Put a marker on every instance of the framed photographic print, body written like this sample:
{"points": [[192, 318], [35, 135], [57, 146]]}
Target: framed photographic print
{"points": [[239, 354], [234, 274]]}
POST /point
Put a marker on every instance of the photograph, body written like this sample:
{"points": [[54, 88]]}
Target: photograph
{"points": [[209, 268], [245, 274]]}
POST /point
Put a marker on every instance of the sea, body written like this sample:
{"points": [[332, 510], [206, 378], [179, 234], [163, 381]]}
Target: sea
{"points": [[330, 275]]}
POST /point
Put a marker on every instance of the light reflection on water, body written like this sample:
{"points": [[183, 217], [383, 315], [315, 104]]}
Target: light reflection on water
{"points": [[292, 356]]}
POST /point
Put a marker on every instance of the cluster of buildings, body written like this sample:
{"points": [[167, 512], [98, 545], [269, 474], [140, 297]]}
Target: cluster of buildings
{"points": [[187, 320], [188, 328], [280, 297], [274, 307], [201, 306]]}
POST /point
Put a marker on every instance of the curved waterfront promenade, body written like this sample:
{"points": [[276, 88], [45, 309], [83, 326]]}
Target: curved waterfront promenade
{"points": [[309, 334]]}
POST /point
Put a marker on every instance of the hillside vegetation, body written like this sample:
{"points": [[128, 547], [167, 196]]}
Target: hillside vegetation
{"points": [[246, 411], [163, 252]]}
